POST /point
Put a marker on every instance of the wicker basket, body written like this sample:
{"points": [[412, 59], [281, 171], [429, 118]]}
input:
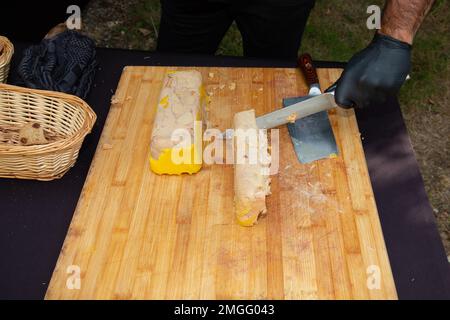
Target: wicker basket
{"points": [[7, 50], [66, 117]]}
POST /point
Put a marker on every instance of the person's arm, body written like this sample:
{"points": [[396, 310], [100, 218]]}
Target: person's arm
{"points": [[376, 73], [402, 18]]}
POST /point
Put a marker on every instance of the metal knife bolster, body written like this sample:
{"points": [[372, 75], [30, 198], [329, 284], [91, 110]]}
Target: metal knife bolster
{"points": [[314, 90], [302, 109]]}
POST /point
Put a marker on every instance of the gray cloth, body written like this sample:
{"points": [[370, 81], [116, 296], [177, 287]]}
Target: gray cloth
{"points": [[64, 63]]}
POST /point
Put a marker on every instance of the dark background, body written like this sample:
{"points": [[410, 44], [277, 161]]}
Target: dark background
{"points": [[31, 20]]}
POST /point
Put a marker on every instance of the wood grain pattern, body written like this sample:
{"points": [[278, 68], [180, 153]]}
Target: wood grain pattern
{"points": [[136, 235]]}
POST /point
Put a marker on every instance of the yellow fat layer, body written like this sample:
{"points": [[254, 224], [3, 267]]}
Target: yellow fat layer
{"points": [[244, 220], [165, 165]]}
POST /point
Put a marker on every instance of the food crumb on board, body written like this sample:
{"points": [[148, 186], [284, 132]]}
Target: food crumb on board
{"points": [[211, 75], [107, 146], [222, 86], [114, 100], [314, 193], [332, 156], [310, 193], [232, 86]]}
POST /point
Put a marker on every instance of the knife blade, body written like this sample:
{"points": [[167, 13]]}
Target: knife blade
{"points": [[319, 103]]}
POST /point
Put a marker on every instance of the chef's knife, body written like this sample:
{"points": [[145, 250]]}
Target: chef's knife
{"points": [[313, 105], [302, 109], [311, 136], [319, 103]]}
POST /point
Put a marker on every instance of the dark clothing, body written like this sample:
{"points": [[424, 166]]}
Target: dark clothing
{"points": [[269, 28]]}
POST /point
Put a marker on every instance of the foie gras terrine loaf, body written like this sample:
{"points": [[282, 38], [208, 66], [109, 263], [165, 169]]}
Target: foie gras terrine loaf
{"points": [[251, 179], [176, 143]]}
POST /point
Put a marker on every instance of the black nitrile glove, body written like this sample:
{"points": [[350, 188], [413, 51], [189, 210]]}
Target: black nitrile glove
{"points": [[374, 74]]}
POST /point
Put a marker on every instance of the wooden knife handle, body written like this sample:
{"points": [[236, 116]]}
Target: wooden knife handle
{"points": [[305, 63]]}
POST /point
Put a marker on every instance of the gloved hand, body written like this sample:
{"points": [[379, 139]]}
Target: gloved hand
{"points": [[374, 74]]}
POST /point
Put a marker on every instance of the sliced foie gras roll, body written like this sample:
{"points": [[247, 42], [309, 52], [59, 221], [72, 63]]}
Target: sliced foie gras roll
{"points": [[251, 174], [176, 144]]}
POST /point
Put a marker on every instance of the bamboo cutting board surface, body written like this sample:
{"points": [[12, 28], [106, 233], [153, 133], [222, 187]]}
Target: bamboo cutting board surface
{"points": [[136, 235]]}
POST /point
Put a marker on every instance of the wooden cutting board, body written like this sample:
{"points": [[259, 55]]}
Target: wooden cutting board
{"points": [[136, 235]]}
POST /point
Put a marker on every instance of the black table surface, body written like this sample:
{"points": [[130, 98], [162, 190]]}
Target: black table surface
{"points": [[35, 216]]}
